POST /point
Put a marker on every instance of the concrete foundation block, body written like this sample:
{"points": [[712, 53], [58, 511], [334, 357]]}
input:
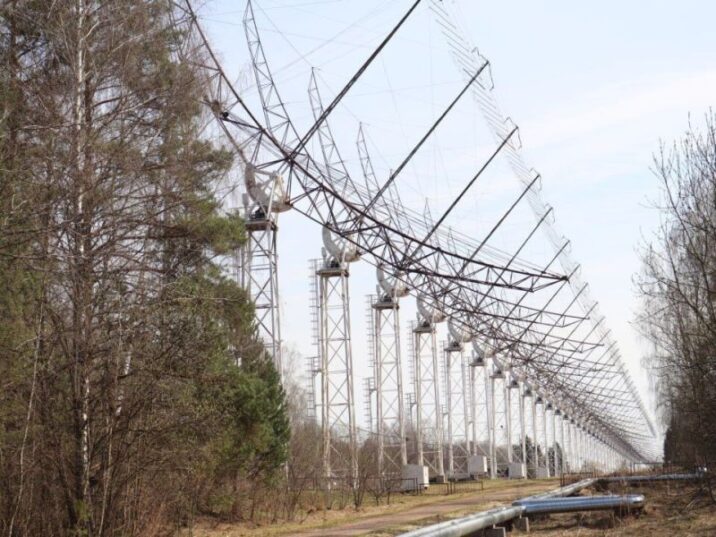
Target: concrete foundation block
{"points": [[542, 472], [522, 524], [496, 532], [517, 470], [477, 465], [414, 475]]}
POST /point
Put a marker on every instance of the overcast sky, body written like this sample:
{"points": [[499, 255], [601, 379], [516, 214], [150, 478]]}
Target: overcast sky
{"points": [[594, 87]]}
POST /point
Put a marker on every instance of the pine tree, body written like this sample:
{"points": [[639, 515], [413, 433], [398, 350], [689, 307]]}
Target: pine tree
{"points": [[123, 401]]}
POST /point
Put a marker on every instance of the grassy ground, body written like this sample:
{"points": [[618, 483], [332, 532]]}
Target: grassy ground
{"points": [[434, 505], [673, 509]]}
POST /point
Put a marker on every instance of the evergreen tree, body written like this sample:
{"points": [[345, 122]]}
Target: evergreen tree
{"points": [[133, 386]]}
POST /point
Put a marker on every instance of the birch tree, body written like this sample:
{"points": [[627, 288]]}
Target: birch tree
{"points": [[678, 288], [124, 409]]}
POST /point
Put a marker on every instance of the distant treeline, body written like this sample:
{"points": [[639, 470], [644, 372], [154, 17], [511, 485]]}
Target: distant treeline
{"points": [[678, 288]]}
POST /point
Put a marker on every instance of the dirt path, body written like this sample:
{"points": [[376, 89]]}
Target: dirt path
{"points": [[408, 517], [671, 509]]}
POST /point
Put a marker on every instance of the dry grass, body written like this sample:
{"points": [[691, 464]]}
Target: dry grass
{"points": [[671, 509], [469, 498]]}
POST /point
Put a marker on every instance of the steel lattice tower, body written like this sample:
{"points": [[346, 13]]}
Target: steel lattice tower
{"points": [[491, 420], [479, 404], [541, 444], [428, 409], [559, 438], [549, 438], [565, 462], [555, 441], [458, 415], [567, 431], [339, 458], [509, 416], [500, 418], [576, 457], [515, 427], [521, 391], [387, 367], [536, 449], [260, 279], [530, 405]]}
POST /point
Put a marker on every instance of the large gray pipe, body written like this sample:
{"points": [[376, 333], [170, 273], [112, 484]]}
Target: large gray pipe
{"points": [[486, 519], [582, 503], [469, 524], [648, 478], [564, 491], [555, 500]]}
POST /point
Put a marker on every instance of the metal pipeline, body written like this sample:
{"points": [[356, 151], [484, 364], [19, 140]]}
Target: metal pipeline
{"points": [[582, 503], [548, 502], [564, 491], [486, 519], [648, 478], [469, 524]]}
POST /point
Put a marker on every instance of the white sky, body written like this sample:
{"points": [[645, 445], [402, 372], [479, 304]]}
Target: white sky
{"points": [[594, 87]]}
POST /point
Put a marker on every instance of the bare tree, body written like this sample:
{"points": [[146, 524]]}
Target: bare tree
{"points": [[678, 289], [121, 397]]}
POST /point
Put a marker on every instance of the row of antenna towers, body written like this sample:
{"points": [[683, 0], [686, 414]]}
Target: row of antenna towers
{"points": [[468, 415], [515, 387]]}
